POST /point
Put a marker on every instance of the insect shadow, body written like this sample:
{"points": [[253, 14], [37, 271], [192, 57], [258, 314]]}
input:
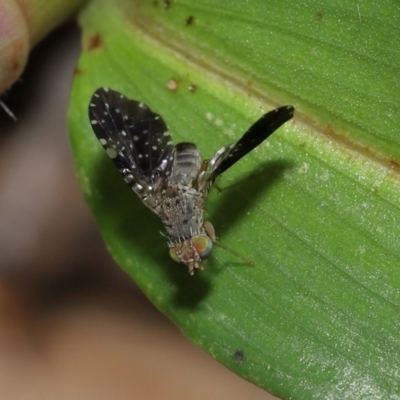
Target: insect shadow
{"points": [[132, 222], [234, 202], [231, 207], [237, 199]]}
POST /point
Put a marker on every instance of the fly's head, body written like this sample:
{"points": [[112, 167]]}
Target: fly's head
{"points": [[191, 252]]}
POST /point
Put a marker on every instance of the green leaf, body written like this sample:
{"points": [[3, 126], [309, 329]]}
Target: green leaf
{"points": [[316, 207]]}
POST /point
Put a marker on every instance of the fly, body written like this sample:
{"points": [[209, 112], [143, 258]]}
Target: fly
{"points": [[172, 180]]}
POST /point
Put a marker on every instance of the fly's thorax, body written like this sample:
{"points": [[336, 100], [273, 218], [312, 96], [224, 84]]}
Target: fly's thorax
{"points": [[191, 252], [181, 211]]}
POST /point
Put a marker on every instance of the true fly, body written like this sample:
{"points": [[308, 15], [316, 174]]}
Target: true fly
{"points": [[172, 180]]}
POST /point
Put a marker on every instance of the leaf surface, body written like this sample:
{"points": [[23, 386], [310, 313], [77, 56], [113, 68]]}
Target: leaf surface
{"points": [[316, 207]]}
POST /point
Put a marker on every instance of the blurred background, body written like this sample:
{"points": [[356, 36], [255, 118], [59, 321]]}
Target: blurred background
{"points": [[72, 324]]}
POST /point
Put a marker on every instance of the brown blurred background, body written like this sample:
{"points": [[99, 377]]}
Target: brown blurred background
{"points": [[72, 324]]}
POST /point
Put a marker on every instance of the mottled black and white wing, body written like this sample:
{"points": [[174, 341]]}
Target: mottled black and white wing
{"points": [[225, 157], [135, 138]]}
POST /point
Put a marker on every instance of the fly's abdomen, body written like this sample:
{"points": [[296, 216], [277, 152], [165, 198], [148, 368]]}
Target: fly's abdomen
{"points": [[186, 163]]}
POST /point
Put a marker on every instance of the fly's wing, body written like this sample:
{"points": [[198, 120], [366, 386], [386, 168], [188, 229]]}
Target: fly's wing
{"points": [[135, 138], [225, 157]]}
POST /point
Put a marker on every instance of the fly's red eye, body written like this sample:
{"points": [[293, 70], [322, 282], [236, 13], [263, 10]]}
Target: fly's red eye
{"points": [[203, 246]]}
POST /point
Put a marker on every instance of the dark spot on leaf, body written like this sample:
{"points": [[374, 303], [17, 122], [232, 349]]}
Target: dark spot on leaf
{"points": [[166, 4], [77, 72], [239, 356], [319, 15], [189, 20], [94, 41], [192, 88]]}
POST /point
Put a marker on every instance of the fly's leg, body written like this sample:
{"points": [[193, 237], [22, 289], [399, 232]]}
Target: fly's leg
{"points": [[207, 225]]}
